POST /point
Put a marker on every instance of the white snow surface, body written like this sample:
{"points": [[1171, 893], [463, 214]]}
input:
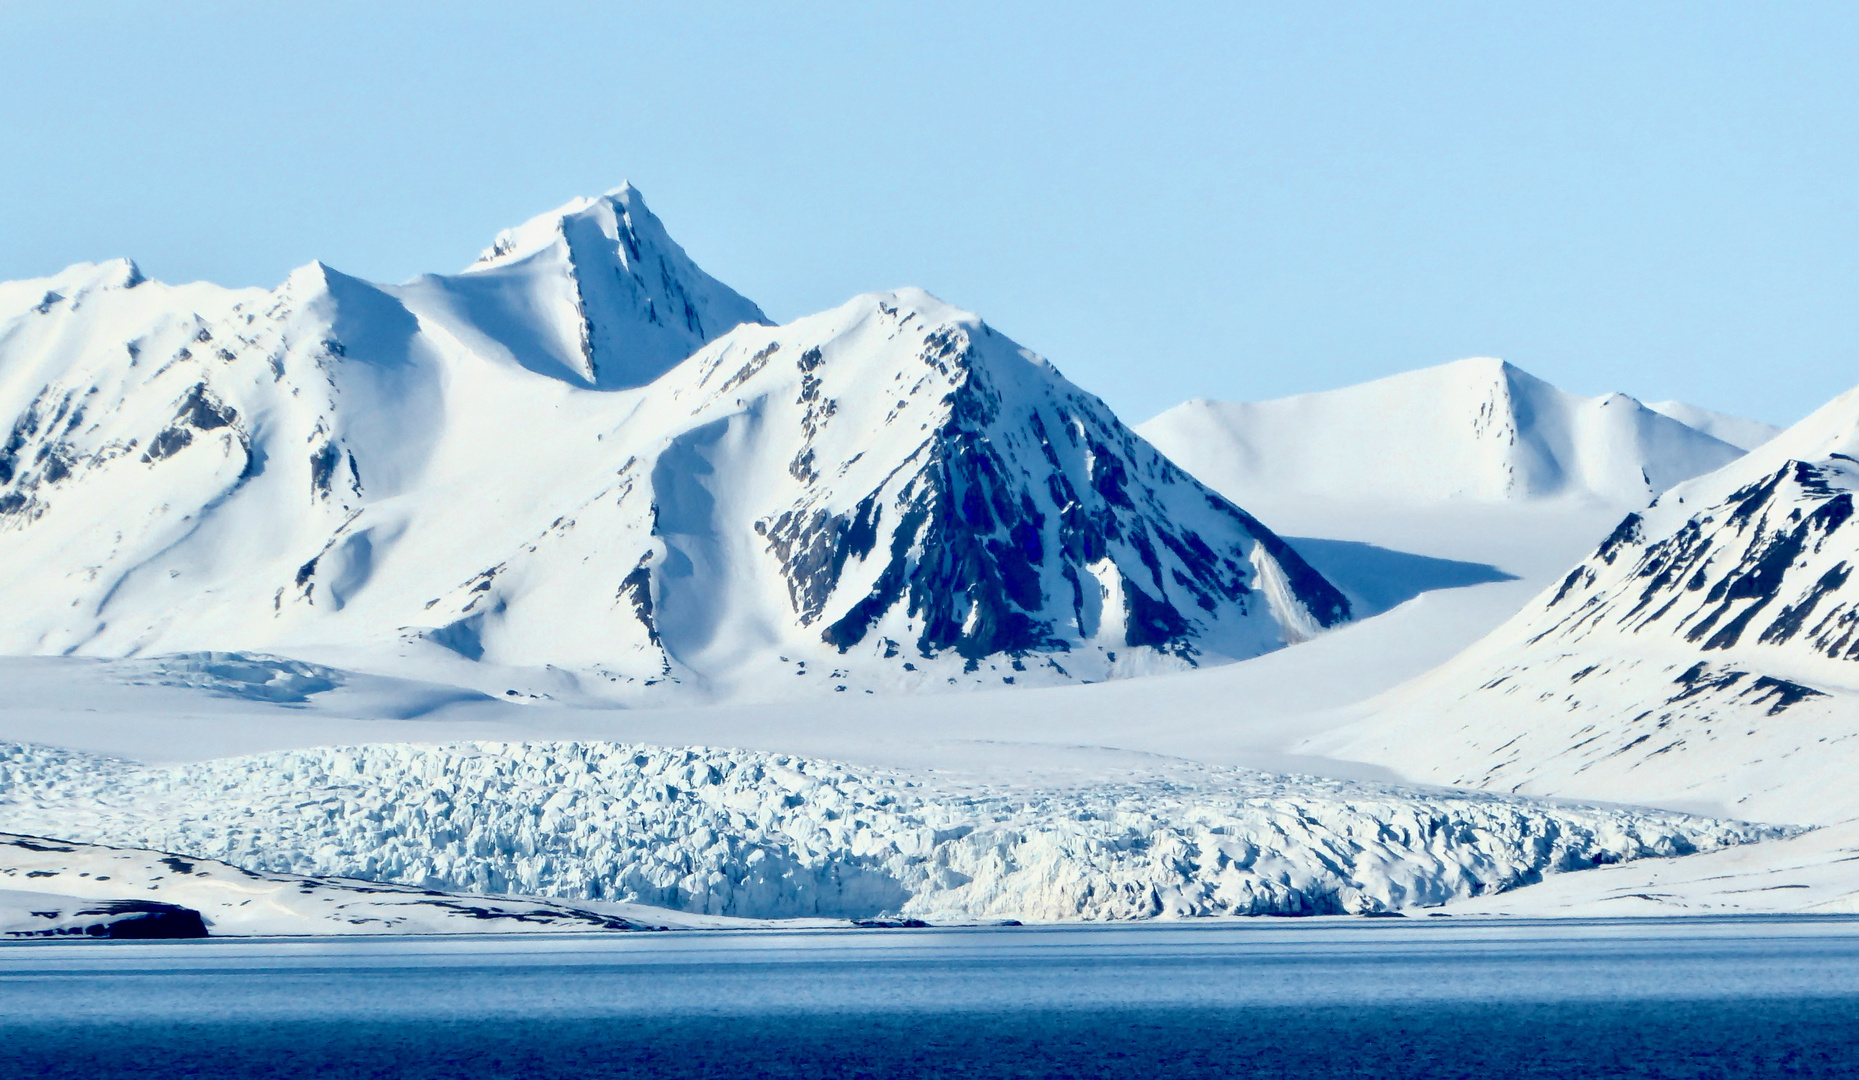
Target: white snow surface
{"points": [[1806, 874], [738, 833], [1703, 657], [57, 885], [596, 292], [1738, 431], [1478, 429]]}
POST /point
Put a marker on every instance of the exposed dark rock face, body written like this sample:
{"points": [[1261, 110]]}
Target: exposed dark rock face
{"points": [[197, 411], [139, 920], [1000, 532], [1768, 565], [42, 449], [636, 588], [1702, 621]]}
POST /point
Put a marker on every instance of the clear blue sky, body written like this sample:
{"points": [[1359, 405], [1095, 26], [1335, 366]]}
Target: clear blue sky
{"points": [[1222, 200]]}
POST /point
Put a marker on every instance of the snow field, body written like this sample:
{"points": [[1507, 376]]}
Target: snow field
{"points": [[52, 887], [758, 835]]}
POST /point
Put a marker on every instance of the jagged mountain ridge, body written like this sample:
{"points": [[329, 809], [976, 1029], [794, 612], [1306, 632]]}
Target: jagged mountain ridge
{"points": [[413, 469], [1475, 430], [1708, 651]]}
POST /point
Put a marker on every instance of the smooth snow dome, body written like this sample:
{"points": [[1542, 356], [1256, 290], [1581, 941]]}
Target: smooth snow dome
{"points": [[1477, 429], [1735, 430]]}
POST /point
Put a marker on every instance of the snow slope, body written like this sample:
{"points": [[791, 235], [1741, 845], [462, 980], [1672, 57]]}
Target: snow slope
{"points": [[1806, 874], [595, 292], [1477, 429], [1737, 431], [1446, 497], [773, 835], [1703, 656], [56, 887], [516, 466]]}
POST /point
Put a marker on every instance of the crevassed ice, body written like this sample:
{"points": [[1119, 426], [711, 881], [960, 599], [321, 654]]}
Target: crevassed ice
{"points": [[728, 832]]}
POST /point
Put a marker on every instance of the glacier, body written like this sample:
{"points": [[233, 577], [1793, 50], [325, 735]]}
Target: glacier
{"points": [[440, 585], [761, 835]]}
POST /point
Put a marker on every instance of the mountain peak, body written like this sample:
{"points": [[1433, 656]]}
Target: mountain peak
{"points": [[122, 274], [86, 276], [932, 504], [609, 211], [594, 292], [1475, 429], [310, 277], [1477, 366]]}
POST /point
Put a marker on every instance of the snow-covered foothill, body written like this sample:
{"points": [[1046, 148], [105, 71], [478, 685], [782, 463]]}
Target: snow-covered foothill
{"points": [[54, 887], [1706, 655], [26, 914], [736, 833], [1479, 430], [1806, 874]]}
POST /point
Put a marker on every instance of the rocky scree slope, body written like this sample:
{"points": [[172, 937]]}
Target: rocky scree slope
{"points": [[737, 833], [1707, 653]]}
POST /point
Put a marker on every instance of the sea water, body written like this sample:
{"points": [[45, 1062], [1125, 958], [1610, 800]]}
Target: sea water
{"points": [[1265, 997]]}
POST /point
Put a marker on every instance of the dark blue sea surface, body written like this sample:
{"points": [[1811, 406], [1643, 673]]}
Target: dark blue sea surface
{"points": [[1267, 998]]}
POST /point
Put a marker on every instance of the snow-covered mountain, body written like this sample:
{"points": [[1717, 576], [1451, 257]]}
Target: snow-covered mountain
{"points": [[1707, 653], [595, 292], [1738, 431], [1477, 430], [520, 466]]}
